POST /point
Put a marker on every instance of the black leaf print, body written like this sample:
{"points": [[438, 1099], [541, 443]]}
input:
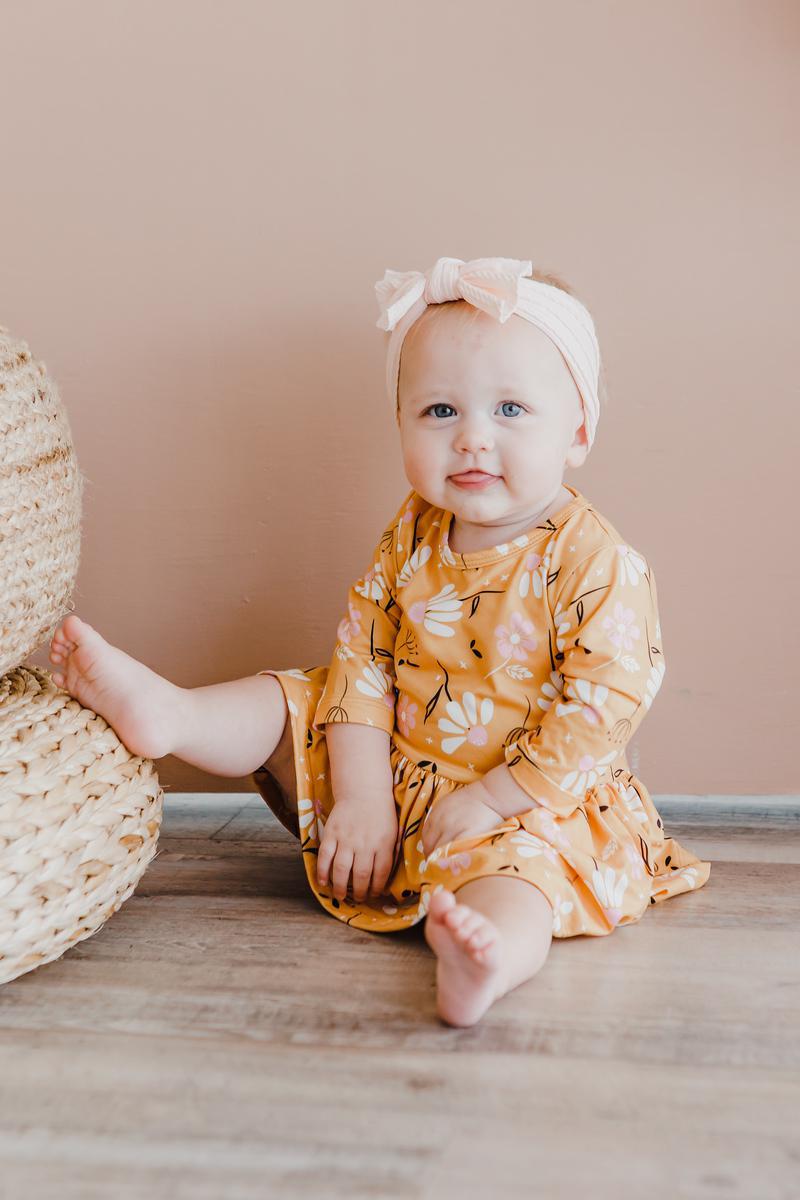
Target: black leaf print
{"points": [[383, 653], [515, 760], [473, 607], [428, 763], [579, 611], [431, 705], [412, 829], [553, 577], [477, 653]]}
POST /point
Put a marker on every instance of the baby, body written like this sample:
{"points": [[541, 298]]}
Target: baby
{"points": [[462, 758]]}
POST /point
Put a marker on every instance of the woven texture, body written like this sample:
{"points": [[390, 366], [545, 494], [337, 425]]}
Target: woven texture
{"points": [[79, 821], [40, 504]]}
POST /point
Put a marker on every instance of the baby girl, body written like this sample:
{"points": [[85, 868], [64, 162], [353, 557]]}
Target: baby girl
{"points": [[462, 758]]}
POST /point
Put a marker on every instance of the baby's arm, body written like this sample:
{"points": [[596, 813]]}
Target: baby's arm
{"points": [[361, 832]]}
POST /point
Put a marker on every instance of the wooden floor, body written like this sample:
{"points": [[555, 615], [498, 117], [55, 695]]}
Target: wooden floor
{"points": [[222, 1037]]}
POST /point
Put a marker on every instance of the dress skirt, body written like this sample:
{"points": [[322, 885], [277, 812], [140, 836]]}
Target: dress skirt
{"points": [[600, 867]]}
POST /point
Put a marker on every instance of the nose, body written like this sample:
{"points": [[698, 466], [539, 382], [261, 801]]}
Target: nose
{"points": [[473, 436]]}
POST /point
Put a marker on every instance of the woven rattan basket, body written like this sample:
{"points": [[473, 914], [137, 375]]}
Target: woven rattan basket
{"points": [[79, 814], [79, 821]]}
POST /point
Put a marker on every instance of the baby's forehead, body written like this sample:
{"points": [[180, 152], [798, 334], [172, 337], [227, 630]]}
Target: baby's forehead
{"points": [[458, 330]]}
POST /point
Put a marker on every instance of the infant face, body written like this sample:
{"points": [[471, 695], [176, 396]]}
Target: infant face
{"points": [[479, 396]]}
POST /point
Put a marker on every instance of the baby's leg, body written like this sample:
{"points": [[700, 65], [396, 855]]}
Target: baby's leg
{"points": [[226, 728], [493, 937]]}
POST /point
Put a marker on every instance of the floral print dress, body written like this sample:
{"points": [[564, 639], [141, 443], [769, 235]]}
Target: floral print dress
{"points": [[544, 653]]}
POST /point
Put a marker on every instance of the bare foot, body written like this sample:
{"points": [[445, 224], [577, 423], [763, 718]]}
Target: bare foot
{"points": [[141, 707], [467, 947]]}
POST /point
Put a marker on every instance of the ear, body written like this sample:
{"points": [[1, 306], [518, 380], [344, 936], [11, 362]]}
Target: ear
{"points": [[576, 455]]}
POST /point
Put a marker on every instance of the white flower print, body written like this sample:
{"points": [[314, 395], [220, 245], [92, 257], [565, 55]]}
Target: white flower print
{"points": [[530, 846], [689, 874], [344, 652], [551, 691], [350, 626], [309, 817], [657, 673], [633, 565], [296, 673], [560, 908], [534, 576], [446, 554], [413, 564], [630, 664], [576, 783], [635, 864], [444, 606], [585, 698], [518, 672], [620, 628], [376, 683], [373, 585], [561, 622], [632, 800], [610, 890], [466, 723]]}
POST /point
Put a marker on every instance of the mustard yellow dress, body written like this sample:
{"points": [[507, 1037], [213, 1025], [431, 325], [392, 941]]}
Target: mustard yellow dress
{"points": [[545, 653]]}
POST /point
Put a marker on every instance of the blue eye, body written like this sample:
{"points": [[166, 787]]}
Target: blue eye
{"points": [[504, 405], [433, 406], [513, 404]]}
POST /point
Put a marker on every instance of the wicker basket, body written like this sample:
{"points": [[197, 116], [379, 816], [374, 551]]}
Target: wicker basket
{"points": [[79, 814], [40, 504], [79, 821]]}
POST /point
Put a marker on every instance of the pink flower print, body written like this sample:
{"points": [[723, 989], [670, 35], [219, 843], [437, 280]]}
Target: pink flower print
{"points": [[465, 722], [456, 863], [533, 577], [516, 639], [372, 585], [405, 714], [349, 627], [620, 628]]}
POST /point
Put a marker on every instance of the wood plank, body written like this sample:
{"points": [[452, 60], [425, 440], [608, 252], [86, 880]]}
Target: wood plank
{"points": [[224, 1037]]}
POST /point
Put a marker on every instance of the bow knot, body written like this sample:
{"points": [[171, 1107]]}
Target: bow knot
{"points": [[491, 284]]}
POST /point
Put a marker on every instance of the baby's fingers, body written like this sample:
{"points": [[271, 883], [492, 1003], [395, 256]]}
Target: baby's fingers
{"points": [[341, 871], [380, 872], [325, 855], [362, 870]]}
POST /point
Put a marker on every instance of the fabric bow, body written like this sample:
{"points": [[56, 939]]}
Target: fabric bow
{"points": [[491, 284]]}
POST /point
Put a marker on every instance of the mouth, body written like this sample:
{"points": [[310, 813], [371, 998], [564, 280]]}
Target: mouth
{"points": [[474, 479]]}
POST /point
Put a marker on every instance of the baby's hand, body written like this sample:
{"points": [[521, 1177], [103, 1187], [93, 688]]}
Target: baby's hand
{"points": [[359, 837], [460, 814]]}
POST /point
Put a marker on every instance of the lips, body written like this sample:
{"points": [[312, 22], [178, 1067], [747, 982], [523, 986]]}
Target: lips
{"points": [[473, 476]]}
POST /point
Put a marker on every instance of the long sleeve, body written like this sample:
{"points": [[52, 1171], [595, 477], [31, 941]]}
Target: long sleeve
{"points": [[360, 686], [606, 644]]}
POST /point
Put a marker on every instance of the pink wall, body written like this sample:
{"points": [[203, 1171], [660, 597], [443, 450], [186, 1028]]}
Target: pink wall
{"points": [[196, 201]]}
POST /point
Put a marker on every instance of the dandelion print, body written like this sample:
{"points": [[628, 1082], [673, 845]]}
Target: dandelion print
{"points": [[534, 577], [373, 585], [413, 564], [657, 673], [467, 723], [376, 684], [443, 607], [610, 890], [588, 772], [633, 565]]}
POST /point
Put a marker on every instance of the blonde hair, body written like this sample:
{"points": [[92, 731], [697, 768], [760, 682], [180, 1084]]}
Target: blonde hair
{"points": [[466, 313]]}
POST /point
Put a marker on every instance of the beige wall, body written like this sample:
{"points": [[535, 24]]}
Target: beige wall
{"points": [[196, 201]]}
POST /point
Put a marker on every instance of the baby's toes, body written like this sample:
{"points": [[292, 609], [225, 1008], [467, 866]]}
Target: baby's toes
{"points": [[471, 923]]}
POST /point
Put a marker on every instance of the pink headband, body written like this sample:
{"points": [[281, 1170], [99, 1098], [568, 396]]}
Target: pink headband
{"points": [[498, 287]]}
